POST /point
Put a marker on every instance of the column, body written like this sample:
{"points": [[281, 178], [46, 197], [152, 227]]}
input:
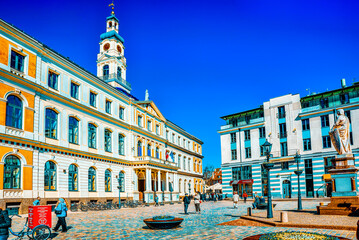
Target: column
{"points": [[159, 181], [148, 180]]}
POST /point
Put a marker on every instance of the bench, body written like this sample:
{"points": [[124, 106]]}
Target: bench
{"points": [[264, 205]]}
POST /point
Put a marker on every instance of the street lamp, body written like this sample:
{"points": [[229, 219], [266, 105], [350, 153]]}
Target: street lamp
{"points": [[298, 172], [268, 166], [119, 190]]}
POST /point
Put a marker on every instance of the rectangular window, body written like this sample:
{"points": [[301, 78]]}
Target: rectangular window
{"points": [[149, 123], [285, 165], [248, 152], [325, 120], [344, 98], [139, 120], [157, 129], [326, 142], [52, 80], [247, 135], [17, 61], [108, 142], [233, 138], [74, 90], [283, 149], [281, 112], [307, 144], [262, 132], [305, 124], [179, 141], [93, 97], [122, 113], [264, 175], [108, 106], [173, 137], [282, 130], [309, 177], [328, 164], [324, 102], [234, 154]]}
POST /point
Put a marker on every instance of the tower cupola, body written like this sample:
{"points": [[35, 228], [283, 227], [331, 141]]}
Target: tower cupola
{"points": [[111, 61]]}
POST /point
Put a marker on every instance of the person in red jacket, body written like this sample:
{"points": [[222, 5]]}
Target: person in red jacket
{"points": [[245, 195]]}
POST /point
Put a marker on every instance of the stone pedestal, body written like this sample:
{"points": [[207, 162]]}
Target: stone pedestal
{"points": [[344, 200]]}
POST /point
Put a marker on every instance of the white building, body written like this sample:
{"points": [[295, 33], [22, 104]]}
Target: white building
{"points": [[65, 132], [291, 124]]}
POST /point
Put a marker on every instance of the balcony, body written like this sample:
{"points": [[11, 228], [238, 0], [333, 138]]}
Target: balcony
{"points": [[120, 80], [155, 160], [243, 123]]}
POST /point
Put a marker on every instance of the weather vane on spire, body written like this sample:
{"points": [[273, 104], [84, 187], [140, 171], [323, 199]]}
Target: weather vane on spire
{"points": [[113, 8]]}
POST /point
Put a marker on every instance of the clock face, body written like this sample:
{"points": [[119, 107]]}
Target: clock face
{"points": [[119, 49], [106, 46]]}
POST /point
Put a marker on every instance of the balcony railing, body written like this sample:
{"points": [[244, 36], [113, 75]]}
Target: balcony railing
{"points": [[157, 160], [118, 78]]}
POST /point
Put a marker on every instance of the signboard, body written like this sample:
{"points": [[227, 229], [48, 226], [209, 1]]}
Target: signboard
{"points": [[40, 215]]}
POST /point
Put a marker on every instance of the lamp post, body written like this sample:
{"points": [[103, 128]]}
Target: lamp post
{"points": [[298, 172], [268, 166], [119, 190]]}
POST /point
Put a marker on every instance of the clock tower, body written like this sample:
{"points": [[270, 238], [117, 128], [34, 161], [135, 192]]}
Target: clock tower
{"points": [[111, 62]]}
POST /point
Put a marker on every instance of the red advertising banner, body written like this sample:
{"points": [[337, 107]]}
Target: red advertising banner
{"points": [[40, 215]]}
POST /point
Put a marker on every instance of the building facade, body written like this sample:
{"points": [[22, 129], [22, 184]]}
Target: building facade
{"points": [[65, 132], [291, 124]]}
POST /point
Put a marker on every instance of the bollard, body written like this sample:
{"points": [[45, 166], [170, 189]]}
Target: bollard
{"points": [[284, 217], [249, 211]]}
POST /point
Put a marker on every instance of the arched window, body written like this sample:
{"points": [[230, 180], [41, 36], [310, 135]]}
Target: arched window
{"points": [[107, 180], [157, 152], [92, 129], [50, 176], [179, 161], [121, 144], [73, 178], [92, 179], [121, 183], [50, 123], [14, 112], [179, 186], [184, 163], [108, 145], [12, 171], [119, 75], [139, 148], [73, 130], [106, 72], [149, 150]]}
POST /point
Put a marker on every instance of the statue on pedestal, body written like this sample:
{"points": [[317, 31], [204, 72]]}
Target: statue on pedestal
{"points": [[339, 134]]}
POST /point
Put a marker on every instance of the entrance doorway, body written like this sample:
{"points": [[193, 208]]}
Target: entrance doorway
{"points": [[141, 188], [287, 189]]}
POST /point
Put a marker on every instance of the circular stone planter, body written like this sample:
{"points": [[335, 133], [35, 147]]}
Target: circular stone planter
{"points": [[294, 235], [163, 222]]}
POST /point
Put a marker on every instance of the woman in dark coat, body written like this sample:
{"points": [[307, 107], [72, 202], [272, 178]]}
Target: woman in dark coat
{"points": [[5, 224]]}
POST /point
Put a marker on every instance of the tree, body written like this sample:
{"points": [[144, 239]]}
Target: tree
{"points": [[208, 171]]}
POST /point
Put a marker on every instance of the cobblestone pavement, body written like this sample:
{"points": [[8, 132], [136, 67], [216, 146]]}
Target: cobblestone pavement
{"points": [[127, 223]]}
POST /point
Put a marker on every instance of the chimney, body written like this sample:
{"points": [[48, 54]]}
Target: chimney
{"points": [[343, 83]]}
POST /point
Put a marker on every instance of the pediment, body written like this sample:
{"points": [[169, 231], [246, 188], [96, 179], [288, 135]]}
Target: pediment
{"points": [[151, 108]]}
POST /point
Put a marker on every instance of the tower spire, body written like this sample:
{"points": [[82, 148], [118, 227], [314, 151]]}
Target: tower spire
{"points": [[113, 8]]}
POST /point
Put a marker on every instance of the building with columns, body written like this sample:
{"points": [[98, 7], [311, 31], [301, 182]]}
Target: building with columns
{"points": [[290, 123], [65, 132]]}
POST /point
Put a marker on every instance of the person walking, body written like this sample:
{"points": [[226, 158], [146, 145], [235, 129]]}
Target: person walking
{"points": [[5, 224], [245, 195], [36, 202], [156, 200], [186, 201], [235, 200], [61, 213], [197, 202]]}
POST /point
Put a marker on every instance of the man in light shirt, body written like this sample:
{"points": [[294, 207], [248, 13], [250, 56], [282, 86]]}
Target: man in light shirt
{"points": [[235, 200]]}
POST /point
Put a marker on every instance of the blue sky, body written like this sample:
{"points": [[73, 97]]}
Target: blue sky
{"points": [[201, 60]]}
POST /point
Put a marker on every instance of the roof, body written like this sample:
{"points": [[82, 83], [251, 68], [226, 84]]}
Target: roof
{"points": [[126, 93], [244, 113], [112, 34], [112, 17]]}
